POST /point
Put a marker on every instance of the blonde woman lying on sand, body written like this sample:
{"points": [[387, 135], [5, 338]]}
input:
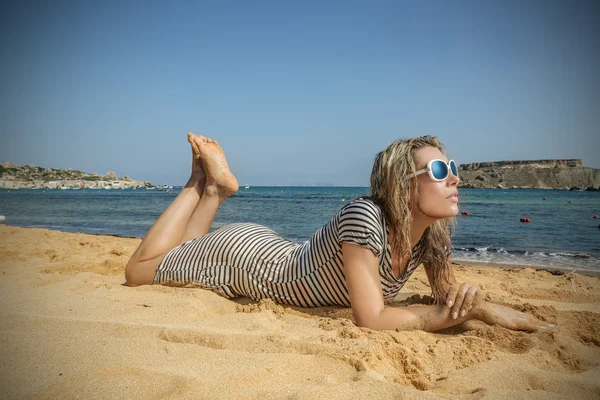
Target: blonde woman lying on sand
{"points": [[362, 256]]}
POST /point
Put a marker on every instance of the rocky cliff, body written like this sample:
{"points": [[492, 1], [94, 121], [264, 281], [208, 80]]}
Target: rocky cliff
{"points": [[543, 174], [31, 177]]}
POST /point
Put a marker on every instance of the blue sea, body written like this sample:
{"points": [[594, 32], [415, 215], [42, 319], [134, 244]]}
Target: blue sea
{"points": [[562, 231]]}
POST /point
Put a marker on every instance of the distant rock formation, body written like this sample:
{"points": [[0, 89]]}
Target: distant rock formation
{"points": [[530, 174], [532, 163], [31, 177]]}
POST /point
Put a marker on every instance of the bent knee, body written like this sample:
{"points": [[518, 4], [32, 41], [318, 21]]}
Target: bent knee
{"points": [[138, 273]]}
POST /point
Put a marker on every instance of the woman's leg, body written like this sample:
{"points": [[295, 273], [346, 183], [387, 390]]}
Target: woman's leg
{"points": [[220, 184], [190, 214]]}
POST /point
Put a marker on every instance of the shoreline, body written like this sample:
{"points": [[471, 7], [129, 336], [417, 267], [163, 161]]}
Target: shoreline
{"points": [[557, 270], [505, 265]]}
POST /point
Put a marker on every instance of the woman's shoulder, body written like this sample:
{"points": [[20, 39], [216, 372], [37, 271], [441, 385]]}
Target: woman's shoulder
{"points": [[360, 222], [363, 207], [365, 203]]}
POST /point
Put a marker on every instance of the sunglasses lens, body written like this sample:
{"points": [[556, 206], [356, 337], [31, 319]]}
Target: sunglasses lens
{"points": [[439, 170], [453, 168]]}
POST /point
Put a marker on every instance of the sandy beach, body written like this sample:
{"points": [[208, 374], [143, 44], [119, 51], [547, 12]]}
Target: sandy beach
{"points": [[71, 329]]}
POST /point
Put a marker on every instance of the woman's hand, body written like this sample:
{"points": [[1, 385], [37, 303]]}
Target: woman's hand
{"points": [[460, 298], [496, 314]]}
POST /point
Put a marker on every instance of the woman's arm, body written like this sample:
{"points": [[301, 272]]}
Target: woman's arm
{"points": [[458, 297], [361, 269]]}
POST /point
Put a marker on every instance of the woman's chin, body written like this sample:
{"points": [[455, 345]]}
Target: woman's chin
{"points": [[452, 213], [436, 211], [443, 215]]}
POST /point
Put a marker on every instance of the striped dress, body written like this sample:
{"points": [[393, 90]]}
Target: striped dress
{"points": [[245, 259]]}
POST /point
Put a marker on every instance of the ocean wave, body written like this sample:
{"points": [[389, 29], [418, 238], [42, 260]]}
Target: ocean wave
{"points": [[528, 257], [574, 255], [491, 249]]}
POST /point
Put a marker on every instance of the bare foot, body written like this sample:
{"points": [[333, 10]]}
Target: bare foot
{"points": [[198, 176], [219, 179], [511, 319]]}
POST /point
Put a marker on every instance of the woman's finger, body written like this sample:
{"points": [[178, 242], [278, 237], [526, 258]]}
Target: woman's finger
{"points": [[468, 301], [451, 296], [460, 296]]}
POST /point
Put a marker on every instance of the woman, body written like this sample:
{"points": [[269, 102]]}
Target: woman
{"points": [[362, 256]]}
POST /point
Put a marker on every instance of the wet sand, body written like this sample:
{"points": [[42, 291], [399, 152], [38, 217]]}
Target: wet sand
{"points": [[70, 328]]}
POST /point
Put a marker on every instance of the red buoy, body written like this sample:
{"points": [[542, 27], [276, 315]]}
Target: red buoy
{"points": [[465, 213], [595, 217], [544, 198], [525, 219]]}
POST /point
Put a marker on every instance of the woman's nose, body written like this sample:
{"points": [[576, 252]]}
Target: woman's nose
{"points": [[453, 179]]}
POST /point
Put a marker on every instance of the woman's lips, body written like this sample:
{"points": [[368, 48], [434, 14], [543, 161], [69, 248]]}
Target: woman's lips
{"points": [[453, 197]]}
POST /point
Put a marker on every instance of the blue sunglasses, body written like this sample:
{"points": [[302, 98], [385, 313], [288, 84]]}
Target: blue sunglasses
{"points": [[439, 170]]}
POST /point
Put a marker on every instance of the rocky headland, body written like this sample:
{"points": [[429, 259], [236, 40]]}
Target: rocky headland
{"points": [[526, 174], [530, 174], [31, 177]]}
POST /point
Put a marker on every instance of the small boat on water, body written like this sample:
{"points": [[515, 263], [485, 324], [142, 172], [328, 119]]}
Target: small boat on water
{"points": [[150, 188], [247, 186]]}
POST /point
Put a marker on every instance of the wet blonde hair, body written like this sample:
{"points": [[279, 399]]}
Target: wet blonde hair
{"points": [[393, 189]]}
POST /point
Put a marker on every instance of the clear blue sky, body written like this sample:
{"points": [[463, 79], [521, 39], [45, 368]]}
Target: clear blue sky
{"points": [[295, 92]]}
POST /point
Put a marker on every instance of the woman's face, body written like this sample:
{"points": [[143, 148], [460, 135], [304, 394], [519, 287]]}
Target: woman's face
{"points": [[437, 199]]}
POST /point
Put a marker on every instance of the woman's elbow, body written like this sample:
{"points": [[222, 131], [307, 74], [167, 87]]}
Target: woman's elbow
{"points": [[362, 323], [368, 321], [390, 320]]}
